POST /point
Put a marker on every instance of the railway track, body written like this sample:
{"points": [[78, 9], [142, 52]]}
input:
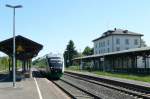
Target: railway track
{"points": [[73, 91], [79, 86], [78, 91], [124, 89]]}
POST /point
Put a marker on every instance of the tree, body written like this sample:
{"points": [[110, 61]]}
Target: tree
{"points": [[143, 43], [87, 51], [69, 53], [4, 62]]}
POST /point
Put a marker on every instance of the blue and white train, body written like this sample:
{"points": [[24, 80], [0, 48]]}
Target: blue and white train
{"points": [[54, 65]]}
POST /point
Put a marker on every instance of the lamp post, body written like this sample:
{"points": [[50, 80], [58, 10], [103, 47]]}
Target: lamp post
{"points": [[14, 43]]}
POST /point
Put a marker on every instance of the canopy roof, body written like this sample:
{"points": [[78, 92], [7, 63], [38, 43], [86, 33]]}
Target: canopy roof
{"points": [[25, 48], [134, 51]]}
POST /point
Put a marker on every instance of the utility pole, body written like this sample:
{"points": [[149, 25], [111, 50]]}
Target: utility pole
{"points": [[14, 43]]}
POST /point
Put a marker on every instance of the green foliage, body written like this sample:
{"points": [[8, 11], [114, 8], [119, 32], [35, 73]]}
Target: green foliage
{"points": [[69, 54], [3, 63], [40, 62], [145, 78], [138, 77], [87, 51], [78, 55], [143, 43], [75, 68]]}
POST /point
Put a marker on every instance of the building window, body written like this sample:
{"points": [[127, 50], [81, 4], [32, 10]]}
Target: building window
{"points": [[127, 41], [99, 44], [96, 45], [99, 51], [108, 50], [136, 42], [127, 48], [117, 41], [104, 44], [95, 52], [108, 42], [117, 48]]}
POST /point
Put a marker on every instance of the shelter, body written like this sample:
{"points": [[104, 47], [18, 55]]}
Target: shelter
{"points": [[121, 61], [26, 49]]}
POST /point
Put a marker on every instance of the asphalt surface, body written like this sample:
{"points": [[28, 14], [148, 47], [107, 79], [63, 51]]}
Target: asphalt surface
{"points": [[31, 88]]}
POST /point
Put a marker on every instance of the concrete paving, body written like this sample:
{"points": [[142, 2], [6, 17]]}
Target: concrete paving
{"points": [[31, 88], [25, 89], [49, 90]]}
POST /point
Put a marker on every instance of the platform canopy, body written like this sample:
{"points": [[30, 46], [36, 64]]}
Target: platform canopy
{"points": [[132, 52], [25, 48]]}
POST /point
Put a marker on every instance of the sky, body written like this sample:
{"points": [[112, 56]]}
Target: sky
{"points": [[53, 23]]}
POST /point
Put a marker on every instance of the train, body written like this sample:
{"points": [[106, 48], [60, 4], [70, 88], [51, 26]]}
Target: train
{"points": [[53, 65]]}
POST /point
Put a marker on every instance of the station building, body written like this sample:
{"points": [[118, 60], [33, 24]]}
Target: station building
{"points": [[118, 50], [117, 40]]}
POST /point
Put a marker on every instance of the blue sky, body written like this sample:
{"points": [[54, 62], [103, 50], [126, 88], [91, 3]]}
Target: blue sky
{"points": [[54, 22]]}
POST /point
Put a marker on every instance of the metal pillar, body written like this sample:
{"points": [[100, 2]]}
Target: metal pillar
{"points": [[16, 65], [27, 64], [127, 63], [30, 68], [9, 63], [145, 61], [14, 43], [136, 63], [133, 64], [24, 69], [113, 66], [81, 65], [122, 64], [99, 64], [104, 63]]}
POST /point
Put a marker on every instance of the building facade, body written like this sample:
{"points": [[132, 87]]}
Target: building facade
{"points": [[117, 40], [118, 51]]}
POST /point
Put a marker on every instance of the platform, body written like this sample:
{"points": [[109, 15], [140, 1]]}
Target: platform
{"points": [[31, 88]]}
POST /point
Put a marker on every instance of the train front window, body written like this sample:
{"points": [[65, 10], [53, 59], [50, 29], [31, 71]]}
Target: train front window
{"points": [[56, 64]]}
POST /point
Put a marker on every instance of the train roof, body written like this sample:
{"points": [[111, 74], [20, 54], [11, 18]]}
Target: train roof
{"points": [[54, 55]]}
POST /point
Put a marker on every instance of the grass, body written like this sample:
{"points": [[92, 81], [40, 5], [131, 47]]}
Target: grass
{"points": [[138, 77], [75, 68], [3, 68]]}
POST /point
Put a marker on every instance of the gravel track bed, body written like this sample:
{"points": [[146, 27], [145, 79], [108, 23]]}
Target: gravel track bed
{"points": [[73, 91], [124, 90], [100, 91]]}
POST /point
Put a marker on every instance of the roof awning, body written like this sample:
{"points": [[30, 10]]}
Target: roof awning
{"points": [[25, 48], [133, 51]]}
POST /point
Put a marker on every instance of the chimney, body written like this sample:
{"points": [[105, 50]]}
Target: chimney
{"points": [[125, 31], [115, 29]]}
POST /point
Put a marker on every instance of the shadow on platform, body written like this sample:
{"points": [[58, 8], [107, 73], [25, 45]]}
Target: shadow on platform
{"points": [[8, 77], [38, 74]]}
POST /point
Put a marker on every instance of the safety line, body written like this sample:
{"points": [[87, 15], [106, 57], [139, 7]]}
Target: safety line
{"points": [[38, 89]]}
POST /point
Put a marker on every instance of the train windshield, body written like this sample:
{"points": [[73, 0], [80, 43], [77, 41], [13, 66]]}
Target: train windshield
{"points": [[55, 62]]}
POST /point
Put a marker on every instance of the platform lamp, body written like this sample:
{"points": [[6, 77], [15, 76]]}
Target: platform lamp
{"points": [[14, 43]]}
